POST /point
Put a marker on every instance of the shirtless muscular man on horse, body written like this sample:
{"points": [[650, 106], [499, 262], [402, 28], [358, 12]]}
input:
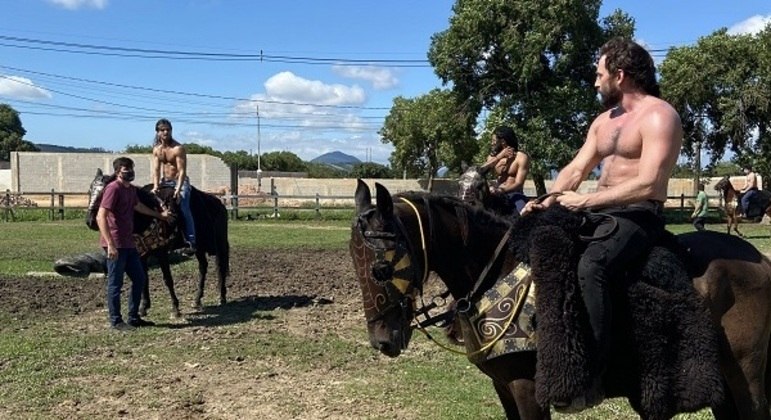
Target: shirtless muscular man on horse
{"points": [[510, 166], [637, 142], [170, 155]]}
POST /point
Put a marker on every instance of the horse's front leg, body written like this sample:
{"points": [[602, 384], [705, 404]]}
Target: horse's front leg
{"points": [[518, 400], [144, 305], [203, 265], [163, 262]]}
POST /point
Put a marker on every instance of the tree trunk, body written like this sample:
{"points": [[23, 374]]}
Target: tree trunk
{"points": [[540, 184]]}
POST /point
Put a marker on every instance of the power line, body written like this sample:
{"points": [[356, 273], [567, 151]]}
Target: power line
{"points": [[182, 93], [108, 50]]}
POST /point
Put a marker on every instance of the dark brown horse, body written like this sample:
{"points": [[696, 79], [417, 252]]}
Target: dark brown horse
{"points": [[732, 205], [397, 241], [211, 222]]}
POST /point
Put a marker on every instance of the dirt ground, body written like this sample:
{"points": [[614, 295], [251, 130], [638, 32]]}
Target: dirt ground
{"points": [[315, 290]]}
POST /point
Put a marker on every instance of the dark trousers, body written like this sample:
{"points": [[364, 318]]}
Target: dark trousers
{"points": [[128, 262], [698, 223], [746, 198], [605, 261]]}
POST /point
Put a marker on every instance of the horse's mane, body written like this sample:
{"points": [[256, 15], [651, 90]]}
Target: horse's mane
{"points": [[475, 214]]}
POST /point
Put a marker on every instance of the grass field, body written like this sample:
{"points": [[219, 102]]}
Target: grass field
{"points": [[288, 346]]}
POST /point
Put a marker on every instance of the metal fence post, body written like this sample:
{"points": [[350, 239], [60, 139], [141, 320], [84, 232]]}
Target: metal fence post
{"points": [[318, 206], [274, 194]]}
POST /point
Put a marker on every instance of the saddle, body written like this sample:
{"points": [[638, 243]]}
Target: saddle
{"points": [[664, 350]]}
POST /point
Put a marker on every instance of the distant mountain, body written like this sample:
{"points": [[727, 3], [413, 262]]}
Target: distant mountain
{"points": [[52, 148], [337, 160]]}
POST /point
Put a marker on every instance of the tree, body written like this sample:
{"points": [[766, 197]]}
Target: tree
{"points": [[371, 170], [722, 89], [139, 149], [530, 63], [11, 134], [282, 161], [428, 132]]}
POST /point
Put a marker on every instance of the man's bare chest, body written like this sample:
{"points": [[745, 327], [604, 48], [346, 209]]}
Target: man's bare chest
{"points": [[619, 139], [167, 155]]}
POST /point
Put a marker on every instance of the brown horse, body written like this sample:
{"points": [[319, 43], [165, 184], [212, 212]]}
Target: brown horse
{"points": [[731, 205], [395, 243]]}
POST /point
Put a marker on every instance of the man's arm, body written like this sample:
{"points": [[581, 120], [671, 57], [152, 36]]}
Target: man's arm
{"points": [[141, 208], [181, 159], [104, 232], [156, 167], [506, 153]]}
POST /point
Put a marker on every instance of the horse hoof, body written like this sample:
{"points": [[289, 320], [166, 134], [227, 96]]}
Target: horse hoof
{"points": [[223, 302], [197, 306], [175, 314]]}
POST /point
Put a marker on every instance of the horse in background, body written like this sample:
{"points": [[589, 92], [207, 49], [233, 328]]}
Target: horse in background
{"points": [[397, 241], [758, 207], [157, 238]]}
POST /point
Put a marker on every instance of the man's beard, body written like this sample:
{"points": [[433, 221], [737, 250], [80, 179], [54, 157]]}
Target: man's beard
{"points": [[612, 98]]}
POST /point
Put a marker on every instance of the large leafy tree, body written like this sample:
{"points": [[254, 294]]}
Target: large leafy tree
{"points": [[532, 65], [12, 133], [722, 89], [282, 161], [428, 132]]}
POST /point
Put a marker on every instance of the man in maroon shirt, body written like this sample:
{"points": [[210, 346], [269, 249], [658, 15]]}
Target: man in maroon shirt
{"points": [[116, 226]]}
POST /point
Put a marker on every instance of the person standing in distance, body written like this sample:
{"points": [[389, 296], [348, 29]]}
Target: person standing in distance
{"points": [[637, 140], [116, 227], [171, 156], [699, 214]]}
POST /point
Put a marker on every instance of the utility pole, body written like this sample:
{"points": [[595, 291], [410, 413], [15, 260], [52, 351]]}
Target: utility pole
{"points": [[259, 153]]}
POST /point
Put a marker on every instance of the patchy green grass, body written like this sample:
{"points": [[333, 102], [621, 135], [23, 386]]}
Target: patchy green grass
{"points": [[241, 360]]}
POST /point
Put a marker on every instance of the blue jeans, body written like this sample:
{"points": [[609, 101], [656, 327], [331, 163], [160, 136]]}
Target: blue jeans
{"points": [[517, 200], [127, 262], [746, 201], [184, 206]]}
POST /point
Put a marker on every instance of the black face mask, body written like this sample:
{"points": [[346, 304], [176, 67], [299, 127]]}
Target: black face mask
{"points": [[127, 176]]}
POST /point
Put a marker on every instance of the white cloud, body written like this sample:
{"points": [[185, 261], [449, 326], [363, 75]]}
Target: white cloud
{"points": [[305, 117], [294, 103], [21, 88], [77, 4], [288, 87], [381, 78], [750, 26]]}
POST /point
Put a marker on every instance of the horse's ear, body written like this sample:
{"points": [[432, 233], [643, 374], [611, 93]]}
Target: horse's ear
{"points": [[385, 203], [99, 172], [463, 166], [363, 197]]}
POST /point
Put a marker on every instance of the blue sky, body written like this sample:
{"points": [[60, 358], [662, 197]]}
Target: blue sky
{"points": [[197, 63]]}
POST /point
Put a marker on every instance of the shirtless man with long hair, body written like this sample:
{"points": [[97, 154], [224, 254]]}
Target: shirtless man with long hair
{"points": [[637, 141], [170, 156]]}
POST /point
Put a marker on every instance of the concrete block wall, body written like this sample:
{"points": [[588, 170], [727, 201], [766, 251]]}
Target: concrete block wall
{"points": [[73, 172]]}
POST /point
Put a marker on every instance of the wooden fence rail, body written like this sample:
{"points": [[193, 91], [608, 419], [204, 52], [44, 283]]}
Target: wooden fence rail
{"points": [[234, 203]]}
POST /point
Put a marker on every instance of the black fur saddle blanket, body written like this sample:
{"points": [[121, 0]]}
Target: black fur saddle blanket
{"points": [[664, 351]]}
